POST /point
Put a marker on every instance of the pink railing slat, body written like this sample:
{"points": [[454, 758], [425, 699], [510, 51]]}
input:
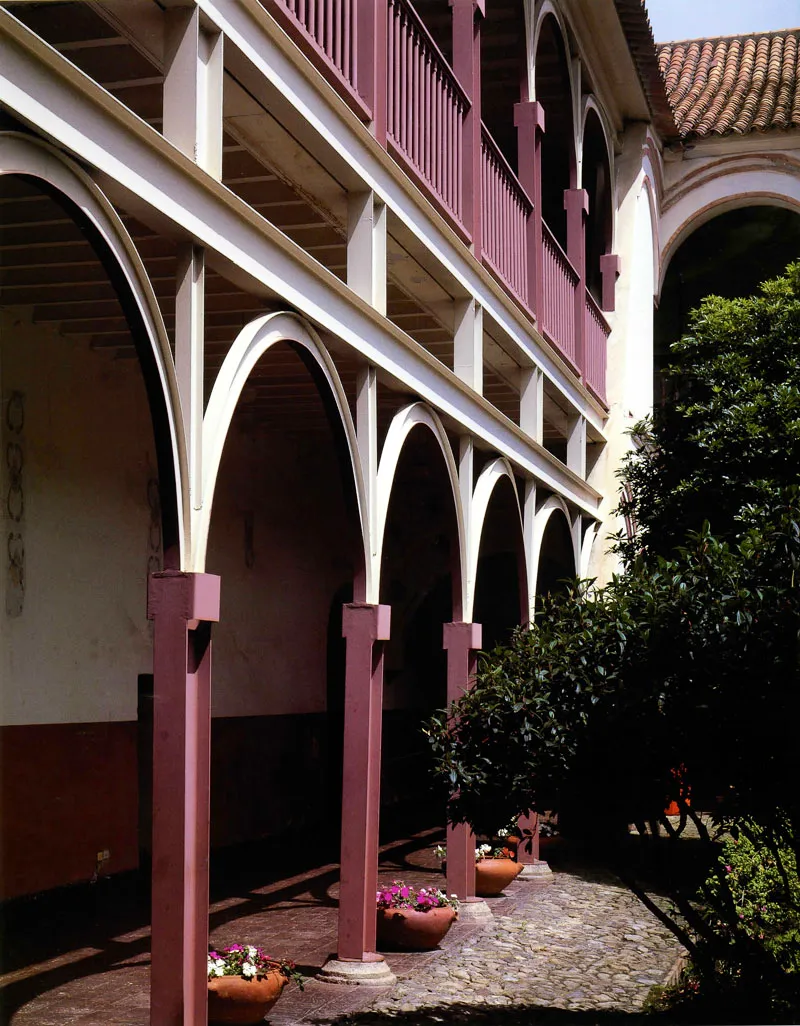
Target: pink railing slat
{"points": [[330, 27], [426, 106], [597, 332], [558, 300], [506, 208]]}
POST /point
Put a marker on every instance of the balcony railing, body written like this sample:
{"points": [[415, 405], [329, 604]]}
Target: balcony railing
{"points": [[596, 345], [425, 107], [329, 28], [559, 280], [506, 209]]}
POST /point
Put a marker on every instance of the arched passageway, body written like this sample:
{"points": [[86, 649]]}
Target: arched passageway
{"points": [[500, 582], [419, 566], [89, 484], [554, 92], [285, 539], [556, 557], [729, 255], [596, 179]]}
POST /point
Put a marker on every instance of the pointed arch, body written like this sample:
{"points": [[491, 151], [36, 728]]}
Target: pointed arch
{"points": [[83, 200], [249, 346], [404, 421], [552, 506], [490, 477]]}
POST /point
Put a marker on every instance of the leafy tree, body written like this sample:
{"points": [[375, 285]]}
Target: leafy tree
{"points": [[689, 658]]}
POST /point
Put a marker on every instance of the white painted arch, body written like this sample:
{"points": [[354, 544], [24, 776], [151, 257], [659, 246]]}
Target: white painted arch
{"points": [[490, 477], [552, 506], [417, 414], [248, 347], [24, 155], [716, 189]]}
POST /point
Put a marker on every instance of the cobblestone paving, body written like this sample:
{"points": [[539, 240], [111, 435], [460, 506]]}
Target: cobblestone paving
{"points": [[578, 944]]}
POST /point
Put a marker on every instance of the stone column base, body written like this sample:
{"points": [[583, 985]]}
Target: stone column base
{"points": [[539, 870], [474, 910], [357, 974]]}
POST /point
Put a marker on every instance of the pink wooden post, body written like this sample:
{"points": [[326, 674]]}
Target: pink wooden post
{"points": [[461, 640], [467, 16], [609, 269], [529, 119], [576, 204], [364, 627], [372, 26], [182, 607]]}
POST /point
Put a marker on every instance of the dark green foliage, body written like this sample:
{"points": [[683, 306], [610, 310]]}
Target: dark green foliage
{"points": [[733, 435], [688, 658]]}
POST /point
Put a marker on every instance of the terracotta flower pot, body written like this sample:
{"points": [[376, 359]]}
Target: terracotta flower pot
{"points": [[406, 929], [492, 876], [235, 999]]}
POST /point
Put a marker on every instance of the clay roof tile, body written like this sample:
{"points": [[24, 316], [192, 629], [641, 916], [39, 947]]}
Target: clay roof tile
{"points": [[734, 83]]}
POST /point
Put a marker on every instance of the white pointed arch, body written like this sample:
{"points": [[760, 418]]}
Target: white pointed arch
{"points": [[404, 421], [33, 158], [545, 9], [491, 476], [248, 347], [553, 505]]}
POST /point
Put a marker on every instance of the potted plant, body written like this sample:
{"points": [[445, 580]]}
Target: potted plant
{"points": [[408, 919], [244, 983], [495, 868]]}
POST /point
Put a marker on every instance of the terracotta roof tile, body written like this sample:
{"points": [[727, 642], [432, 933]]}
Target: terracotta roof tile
{"points": [[733, 84]]}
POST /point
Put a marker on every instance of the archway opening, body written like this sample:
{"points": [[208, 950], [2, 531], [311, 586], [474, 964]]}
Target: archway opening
{"points": [[285, 539], [556, 558], [554, 92], [729, 256], [90, 499], [500, 580], [419, 566], [596, 179]]}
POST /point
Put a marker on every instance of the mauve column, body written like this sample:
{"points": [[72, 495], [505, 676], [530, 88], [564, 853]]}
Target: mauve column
{"points": [[365, 628], [462, 641], [182, 607]]}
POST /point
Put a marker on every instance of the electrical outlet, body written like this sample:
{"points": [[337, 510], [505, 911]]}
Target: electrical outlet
{"points": [[104, 855]]}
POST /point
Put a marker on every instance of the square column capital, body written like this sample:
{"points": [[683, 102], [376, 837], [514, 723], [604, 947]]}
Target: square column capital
{"points": [[186, 596], [529, 112], [467, 636], [362, 620]]}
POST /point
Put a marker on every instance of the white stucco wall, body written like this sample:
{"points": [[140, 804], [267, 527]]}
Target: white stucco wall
{"points": [[630, 350], [74, 652]]}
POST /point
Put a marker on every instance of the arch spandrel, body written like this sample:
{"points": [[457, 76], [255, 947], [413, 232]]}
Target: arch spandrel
{"points": [[249, 346], [33, 158], [405, 420]]}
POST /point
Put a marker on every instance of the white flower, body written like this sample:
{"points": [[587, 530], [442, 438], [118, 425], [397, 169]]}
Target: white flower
{"points": [[454, 896], [251, 951], [219, 970], [248, 969], [502, 833]]}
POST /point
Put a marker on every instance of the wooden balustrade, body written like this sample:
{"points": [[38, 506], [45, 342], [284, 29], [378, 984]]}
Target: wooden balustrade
{"points": [[330, 28], [506, 209], [560, 279], [597, 332], [425, 108]]}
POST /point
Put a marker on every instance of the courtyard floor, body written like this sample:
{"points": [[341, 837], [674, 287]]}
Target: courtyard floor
{"points": [[578, 949]]}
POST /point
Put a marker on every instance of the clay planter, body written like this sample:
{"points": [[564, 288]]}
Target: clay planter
{"points": [[235, 999], [405, 929], [492, 876]]}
